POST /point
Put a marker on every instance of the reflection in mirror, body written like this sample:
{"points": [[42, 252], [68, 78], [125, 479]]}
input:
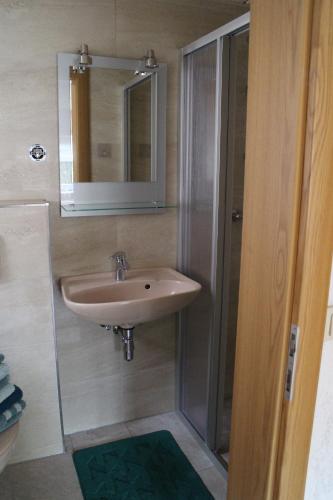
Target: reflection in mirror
{"points": [[139, 131], [111, 126], [80, 126]]}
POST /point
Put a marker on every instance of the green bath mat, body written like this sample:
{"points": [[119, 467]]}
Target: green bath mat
{"points": [[148, 467]]}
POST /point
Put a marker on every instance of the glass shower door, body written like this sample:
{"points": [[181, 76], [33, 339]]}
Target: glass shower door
{"points": [[212, 180], [200, 95], [235, 170]]}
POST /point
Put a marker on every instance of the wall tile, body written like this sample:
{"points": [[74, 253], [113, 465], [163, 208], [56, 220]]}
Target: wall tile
{"points": [[149, 241], [30, 370], [40, 433], [149, 392], [93, 401], [24, 248], [27, 334], [26, 312]]}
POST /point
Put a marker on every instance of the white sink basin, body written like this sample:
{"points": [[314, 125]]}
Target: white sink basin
{"points": [[145, 295]]}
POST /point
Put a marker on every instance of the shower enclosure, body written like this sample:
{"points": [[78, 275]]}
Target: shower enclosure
{"points": [[214, 95]]}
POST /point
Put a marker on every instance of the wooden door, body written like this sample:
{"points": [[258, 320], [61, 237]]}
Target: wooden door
{"points": [[314, 260], [287, 244]]}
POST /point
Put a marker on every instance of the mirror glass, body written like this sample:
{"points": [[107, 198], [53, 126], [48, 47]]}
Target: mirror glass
{"points": [[111, 126], [111, 134], [138, 130]]}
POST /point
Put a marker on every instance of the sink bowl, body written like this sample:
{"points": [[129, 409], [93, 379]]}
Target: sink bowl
{"points": [[145, 295]]}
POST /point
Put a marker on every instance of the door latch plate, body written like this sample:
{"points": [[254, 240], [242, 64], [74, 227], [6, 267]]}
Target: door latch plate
{"points": [[291, 367]]}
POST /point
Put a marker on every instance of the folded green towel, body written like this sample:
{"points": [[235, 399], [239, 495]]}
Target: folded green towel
{"points": [[4, 381], [4, 370], [13, 398], [13, 411], [12, 421], [6, 391], [2, 358]]}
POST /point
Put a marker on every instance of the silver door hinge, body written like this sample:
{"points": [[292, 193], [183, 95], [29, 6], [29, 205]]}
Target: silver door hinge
{"points": [[291, 367]]}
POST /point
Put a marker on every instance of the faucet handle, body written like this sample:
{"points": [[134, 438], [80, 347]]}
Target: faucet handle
{"points": [[119, 255], [120, 258]]}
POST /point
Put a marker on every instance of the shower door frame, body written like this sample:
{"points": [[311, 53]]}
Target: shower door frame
{"points": [[217, 342]]}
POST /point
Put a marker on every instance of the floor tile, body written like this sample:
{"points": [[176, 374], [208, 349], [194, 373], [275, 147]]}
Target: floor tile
{"points": [[52, 478], [101, 435], [172, 422], [5, 487], [68, 445], [215, 482]]}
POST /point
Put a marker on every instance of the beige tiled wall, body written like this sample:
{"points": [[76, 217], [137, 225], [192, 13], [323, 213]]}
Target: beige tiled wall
{"points": [[104, 389], [27, 334]]}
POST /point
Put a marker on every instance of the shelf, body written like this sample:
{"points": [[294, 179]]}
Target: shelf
{"points": [[136, 207]]}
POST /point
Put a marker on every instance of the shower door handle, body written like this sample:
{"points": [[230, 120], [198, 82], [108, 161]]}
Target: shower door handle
{"points": [[237, 216]]}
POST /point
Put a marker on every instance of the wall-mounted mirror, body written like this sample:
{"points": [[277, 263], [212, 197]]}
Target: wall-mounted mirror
{"points": [[111, 136]]}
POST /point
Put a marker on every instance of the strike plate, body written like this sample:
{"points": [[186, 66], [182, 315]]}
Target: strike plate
{"points": [[291, 368]]}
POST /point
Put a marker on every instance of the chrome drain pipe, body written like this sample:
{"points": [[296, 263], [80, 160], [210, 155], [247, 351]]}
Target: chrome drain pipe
{"points": [[127, 335]]}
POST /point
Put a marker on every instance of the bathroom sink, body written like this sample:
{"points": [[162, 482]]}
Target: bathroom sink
{"points": [[145, 295]]}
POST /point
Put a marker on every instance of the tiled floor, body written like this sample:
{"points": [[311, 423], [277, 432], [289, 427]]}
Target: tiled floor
{"points": [[54, 478]]}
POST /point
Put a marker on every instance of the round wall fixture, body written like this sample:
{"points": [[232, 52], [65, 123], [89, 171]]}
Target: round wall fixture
{"points": [[37, 152]]}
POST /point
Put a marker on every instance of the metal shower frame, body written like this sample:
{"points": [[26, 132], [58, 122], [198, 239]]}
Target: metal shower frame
{"points": [[217, 345]]}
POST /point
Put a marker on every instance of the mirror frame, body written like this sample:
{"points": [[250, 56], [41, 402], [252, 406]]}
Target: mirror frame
{"points": [[113, 198]]}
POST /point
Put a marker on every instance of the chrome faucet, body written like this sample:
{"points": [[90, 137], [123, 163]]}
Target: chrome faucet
{"points": [[121, 265]]}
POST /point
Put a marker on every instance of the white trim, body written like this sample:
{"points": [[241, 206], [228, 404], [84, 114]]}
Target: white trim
{"points": [[227, 29]]}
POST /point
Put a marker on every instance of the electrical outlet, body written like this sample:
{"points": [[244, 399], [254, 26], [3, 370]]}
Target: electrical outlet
{"points": [[329, 324]]}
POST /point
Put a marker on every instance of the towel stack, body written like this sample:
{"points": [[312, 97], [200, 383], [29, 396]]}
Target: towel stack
{"points": [[11, 402]]}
